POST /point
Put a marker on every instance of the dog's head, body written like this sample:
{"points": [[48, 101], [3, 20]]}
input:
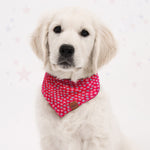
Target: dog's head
{"points": [[72, 40]]}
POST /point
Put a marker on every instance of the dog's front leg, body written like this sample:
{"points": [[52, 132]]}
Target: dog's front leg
{"points": [[95, 144], [89, 139], [74, 144], [48, 144], [52, 143]]}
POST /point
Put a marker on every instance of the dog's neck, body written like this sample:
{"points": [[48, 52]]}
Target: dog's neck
{"points": [[74, 75]]}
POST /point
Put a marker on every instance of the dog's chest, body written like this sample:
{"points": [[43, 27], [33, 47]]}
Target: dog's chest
{"points": [[85, 121]]}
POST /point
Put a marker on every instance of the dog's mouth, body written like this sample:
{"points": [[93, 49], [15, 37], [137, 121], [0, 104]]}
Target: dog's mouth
{"points": [[65, 63]]}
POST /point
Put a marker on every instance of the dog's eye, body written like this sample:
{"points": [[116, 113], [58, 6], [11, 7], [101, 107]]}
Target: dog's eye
{"points": [[57, 29], [84, 33]]}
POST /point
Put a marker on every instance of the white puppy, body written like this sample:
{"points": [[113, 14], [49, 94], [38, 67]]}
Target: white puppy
{"points": [[73, 44]]}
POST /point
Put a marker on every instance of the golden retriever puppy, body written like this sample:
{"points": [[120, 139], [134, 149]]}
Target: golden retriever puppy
{"points": [[73, 45]]}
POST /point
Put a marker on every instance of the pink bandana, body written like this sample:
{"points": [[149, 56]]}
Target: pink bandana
{"points": [[66, 95]]}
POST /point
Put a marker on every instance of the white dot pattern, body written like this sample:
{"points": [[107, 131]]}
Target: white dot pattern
{"points": [[60, 93]]}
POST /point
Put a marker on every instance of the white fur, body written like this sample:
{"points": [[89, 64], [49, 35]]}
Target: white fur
{"points": [[92, 126]]}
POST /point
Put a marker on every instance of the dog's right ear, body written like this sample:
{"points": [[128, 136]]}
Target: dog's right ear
{"points": [[39, 40]]}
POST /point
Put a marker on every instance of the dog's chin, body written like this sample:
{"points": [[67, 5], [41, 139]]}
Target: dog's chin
{"points": [[65, 67]]}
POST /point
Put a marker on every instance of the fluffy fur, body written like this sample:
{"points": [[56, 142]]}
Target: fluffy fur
{"points": [[92, 126]]}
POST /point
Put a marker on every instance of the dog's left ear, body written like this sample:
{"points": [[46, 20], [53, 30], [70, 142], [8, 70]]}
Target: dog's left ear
{"points": [[104, 47]]}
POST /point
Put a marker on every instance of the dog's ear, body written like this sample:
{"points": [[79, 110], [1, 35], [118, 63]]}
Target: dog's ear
{"points": [[104, 47], [39, 40]]}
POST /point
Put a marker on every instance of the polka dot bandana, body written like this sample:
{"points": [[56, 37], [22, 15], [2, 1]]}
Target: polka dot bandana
{"points": [[64, 95]]}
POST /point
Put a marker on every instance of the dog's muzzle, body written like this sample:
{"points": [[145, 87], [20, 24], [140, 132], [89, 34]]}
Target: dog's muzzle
{"points": [[66, 53]]}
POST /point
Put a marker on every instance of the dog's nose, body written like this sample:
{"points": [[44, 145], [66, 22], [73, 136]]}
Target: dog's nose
{"points": [[66, 50]]}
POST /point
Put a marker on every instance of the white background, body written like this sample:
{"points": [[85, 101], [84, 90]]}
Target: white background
{"points": [[126, 79]]}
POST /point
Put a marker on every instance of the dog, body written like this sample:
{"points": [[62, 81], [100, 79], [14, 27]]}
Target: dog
{"points": [[73, 45]]}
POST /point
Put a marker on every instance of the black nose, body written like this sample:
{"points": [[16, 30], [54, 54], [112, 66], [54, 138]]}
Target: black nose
{"points": [[66, 50]]}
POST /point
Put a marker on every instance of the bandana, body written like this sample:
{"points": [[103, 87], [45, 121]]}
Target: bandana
{"points": [[64, 95]]}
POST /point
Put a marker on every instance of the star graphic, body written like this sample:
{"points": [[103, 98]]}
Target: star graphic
{"points": [[133, 53], [26, 10], [134, 84], [16, 62], [24, 74], [94, 1], [139, 64], [112, 1], [17, 39]]}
